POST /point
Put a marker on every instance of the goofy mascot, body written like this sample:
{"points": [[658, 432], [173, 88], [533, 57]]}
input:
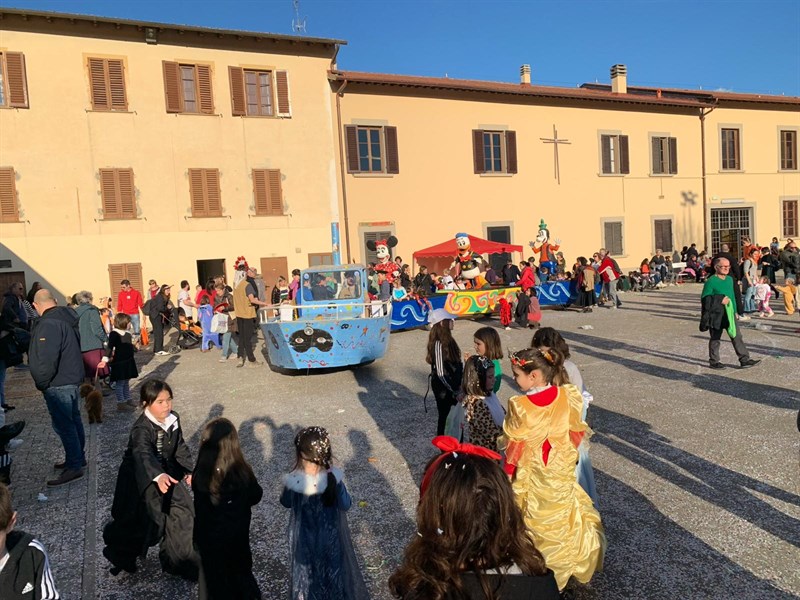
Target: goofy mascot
{"points": [[546, 250], [385, 263], [469, 264]]}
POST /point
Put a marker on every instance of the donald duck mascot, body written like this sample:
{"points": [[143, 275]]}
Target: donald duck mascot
{"points": [[470, 265]]}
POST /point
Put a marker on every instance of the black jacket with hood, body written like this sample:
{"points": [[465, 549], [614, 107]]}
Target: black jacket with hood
{"points": [[55, 351], [27, 574]]}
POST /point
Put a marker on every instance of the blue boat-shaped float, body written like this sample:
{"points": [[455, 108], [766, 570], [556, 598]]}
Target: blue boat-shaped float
{"points": [[334, 324]]}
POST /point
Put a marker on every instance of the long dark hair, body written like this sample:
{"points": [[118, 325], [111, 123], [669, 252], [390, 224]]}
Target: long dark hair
{"points": [[549, 362], [314, 445], [467, 521], [550, 338], [440, 332], [221, 466]]}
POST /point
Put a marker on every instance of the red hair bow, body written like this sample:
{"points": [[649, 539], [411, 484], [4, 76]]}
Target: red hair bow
{"points": [[450, 445]]}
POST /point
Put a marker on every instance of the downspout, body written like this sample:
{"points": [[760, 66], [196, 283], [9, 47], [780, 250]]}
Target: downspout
{"points": [[703, 114], [339, 94]]}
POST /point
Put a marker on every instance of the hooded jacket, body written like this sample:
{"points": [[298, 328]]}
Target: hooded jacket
{"points": [[26, 575], [54, 355], [90, 328]]}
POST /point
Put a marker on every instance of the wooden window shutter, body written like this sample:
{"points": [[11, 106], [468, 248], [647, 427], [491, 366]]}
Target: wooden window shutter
{"points": [[213, 195], [613, 237], [238, 98], [624, 160], [197, 193], [117, 273], [392, 157], [605, 153], [351, 143], [98, 84], [108, 192], [116, 84], [9, 212], [267, 191], [511, 151], [477, 150], [16, 79], [172, 87], [282, 85], [655, 152], [260, 198], [127, 196], [275, 191], [133, 273], [205, 88], [673, 155]]}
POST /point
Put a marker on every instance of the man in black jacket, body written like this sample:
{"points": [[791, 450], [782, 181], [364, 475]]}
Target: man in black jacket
{"points": [[57, 369]]}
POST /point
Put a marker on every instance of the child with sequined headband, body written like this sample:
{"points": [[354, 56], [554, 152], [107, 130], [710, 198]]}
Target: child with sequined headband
{"points": [[323, 562], [542, 431]]}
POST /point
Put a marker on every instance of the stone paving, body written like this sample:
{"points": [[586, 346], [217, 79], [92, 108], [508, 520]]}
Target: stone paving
{"points": [[697, 470]]}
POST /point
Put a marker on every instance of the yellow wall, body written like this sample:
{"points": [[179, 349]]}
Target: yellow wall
{"points": [[59, 143]]}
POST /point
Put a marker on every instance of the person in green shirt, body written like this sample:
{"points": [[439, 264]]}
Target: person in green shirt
{"points": [[719, 308]]}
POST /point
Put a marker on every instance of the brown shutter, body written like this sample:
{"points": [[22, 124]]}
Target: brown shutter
{"points": [[260, 199], [172, 87], [205, 89], [127, 197], [663, 234], [133, 273], [655, 152], [351, 143], [213, 195], [8, 196], [477, 150], [282, 85], [17, 80], [117, 273], [275, 192], [624, 161], [613, 237], [197, 193], [98, 84], [392, 158], [511, 151], [673, 155], [605, 153], [109, 195], [238, 102], [116, 84]]}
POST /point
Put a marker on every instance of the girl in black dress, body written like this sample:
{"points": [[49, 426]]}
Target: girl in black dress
{"points": [[120, 356]]}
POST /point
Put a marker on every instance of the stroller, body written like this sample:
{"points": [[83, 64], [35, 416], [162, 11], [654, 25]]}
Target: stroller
{"points": [[190, 334]]}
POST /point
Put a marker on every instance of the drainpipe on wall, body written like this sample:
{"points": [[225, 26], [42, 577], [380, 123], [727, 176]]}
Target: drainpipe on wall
{"points": [[339, 94], [703, 114]]}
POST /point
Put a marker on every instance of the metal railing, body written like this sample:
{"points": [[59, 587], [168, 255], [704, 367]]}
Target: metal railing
{"points": [[276, 313]]}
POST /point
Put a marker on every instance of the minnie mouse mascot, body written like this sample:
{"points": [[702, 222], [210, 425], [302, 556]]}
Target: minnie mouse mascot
{"points": [[385, 263], [469, 264]]}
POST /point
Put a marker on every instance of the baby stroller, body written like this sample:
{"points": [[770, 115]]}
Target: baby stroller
{"points": [[190, 334]]}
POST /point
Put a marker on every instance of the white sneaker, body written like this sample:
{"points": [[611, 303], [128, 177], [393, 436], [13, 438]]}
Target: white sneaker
{"points": [[162, 353], [743, 318]]}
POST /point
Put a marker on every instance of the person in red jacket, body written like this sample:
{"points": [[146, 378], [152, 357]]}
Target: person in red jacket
{"points": [[129, 301], [610, 274], [528, 278]]}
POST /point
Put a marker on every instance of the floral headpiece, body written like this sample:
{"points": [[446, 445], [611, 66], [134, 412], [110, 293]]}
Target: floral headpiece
{"points": [[517, 361], [451, 447], [240, 264]]}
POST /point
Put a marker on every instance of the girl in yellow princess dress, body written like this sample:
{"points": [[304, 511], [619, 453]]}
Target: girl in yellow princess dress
{"points": [[541, 433]]}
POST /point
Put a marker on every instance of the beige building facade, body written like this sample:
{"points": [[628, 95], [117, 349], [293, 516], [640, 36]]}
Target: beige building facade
{"points": [[146, 151]]}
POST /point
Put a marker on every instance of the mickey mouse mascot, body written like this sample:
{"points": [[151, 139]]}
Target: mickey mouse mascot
{"points": [[544, 248], [469, 264], [385, 263]]}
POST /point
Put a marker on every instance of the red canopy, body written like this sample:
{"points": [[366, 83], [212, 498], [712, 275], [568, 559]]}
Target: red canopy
{"points": [[479, 245]]}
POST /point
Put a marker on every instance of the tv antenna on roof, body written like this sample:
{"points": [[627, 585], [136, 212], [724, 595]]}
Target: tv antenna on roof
{"points": [[298, 25]]}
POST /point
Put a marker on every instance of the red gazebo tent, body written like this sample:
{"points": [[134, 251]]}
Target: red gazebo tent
{"points": [[448, 248]]}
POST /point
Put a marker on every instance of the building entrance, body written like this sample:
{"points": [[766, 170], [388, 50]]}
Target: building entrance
{"points": [[503, 236], [210, 268], [729, 226]]}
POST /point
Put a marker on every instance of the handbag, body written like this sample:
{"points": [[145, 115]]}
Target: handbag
{"points": [[10, 349], [219, 323]]}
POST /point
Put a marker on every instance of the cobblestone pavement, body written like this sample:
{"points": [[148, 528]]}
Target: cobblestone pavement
{"points": [[697, 470]]}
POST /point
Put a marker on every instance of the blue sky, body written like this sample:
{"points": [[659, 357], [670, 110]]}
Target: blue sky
{"points": [[742, 46]]}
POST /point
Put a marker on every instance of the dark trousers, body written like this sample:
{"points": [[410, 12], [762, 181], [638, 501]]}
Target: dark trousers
{"points": [[737, 293], [738, 345], [444, 402], [246, 329], [158, 333]]}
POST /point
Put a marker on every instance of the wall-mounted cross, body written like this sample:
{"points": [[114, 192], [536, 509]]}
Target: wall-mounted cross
{"points": [[555, 141]]}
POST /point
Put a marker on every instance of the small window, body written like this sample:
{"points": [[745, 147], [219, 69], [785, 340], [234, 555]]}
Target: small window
{"points": [[13, 80], [663, 235], [258, 88], [614, 154], [664, 155], [790, 225], [612, 237], [9, 212], [188, 88], [204, 192], [259, 92], [730, 150], [117, 192], [789, 150], [107, 84], [267, 194], [372, 149], [494, 151]]}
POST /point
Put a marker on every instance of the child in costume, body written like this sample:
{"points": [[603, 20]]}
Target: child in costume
{"points": [[483, 414], [205, 312], [542, 431], [444, 357], [225, 489], [505, 313], [763, 293], [151, 506], [323, 562], [120, 357]]}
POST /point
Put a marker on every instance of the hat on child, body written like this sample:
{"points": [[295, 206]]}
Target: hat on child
{"points": [[438, 315]]}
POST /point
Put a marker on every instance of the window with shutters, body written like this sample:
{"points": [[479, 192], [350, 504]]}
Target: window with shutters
{"points": [[372, 149], [130, 271], [13, 80], [267, 194], [662, 235], [790, 218], [371, 256], [494, 151], [259, 92], [188, 88], [788, 139], [664, 155], [107, 84], [730, 149], [117, 193], [614, 154], [204, 193], [612, 237], [319, 259], [9, 211]]}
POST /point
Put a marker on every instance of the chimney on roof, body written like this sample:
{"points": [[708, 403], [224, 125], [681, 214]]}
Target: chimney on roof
{"points": [[525, 75], [619, 79]]}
